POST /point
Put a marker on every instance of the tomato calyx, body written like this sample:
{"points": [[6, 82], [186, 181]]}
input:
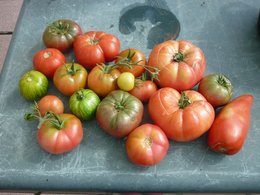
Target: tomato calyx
{"points": [[80, 95], [178, 57], [223, 81], [59, 27], [71, 69], [93, 40], [119, 106], [184, 101]]}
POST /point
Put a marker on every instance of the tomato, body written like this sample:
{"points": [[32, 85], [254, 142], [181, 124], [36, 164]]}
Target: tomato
{"points": [[96, 47], [50, 103], [48, 60], [143, 89], [133, 56], [181, 64], [147, 145], [119, 113], [69, 78], [33, 85], [183, 117], [229, 130], [216, 88], [61, 34], [60, 133], [102, 80], [83, 103], [126, 81]]}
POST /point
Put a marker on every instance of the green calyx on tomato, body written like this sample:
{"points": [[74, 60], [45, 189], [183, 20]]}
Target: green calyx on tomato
{"points": [[71, 69], [178, 57], [184, 101], [223, 81], [55, 120], [59, 27]]}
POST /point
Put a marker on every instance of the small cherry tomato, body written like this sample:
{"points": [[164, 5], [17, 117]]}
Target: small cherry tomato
{"points": [[126, 81], [50, 103]]}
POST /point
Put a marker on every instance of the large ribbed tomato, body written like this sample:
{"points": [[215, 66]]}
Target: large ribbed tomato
{"points": [[183, 117], [181, 64]]}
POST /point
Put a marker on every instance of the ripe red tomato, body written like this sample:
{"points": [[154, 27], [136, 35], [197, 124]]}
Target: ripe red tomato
{"points": [[50, 103], [216, 88], [102, 80], [143, 89], [94, 48], [119, 113], [229, 130], [183, 117], [60, 34], [60, 133], [132, 56], [181, 64], [147, 145], [69, 78], [48, 60]]}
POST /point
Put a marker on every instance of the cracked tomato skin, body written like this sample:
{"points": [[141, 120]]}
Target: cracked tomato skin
{"points": [[119, 113], [147, 145], [181, 64], [96, 47], [58, 141], [228, 133], [183, 117]]}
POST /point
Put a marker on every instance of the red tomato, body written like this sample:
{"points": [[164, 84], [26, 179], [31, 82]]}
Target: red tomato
{"points": [[102, 80], [132, 56], [60, 133], [147, 145], [229, 130], [60, 34], [94, 48], [50, 103], [181, 64], [48, 60], [143, 90], [69, 78], [183, 117]]}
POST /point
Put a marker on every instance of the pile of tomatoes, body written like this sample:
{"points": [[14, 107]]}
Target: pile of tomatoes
{"points": [[112, 86]]}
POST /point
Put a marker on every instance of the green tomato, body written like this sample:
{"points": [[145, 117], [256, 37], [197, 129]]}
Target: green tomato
{"points": [[83, 103], [33, 85], [126, 81]]}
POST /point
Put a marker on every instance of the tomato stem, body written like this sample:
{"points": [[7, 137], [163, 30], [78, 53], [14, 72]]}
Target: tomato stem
{"points": [[71, 69], [178, 57], [184, 101], [80, 95]]}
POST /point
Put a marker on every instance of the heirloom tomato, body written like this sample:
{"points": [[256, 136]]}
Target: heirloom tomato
{"points": [[50, 103], [69, 78], [60, 133], [48, 60], [33, 85], [181, 64], [216, 88], [83, 103], [132, 56], [96, 47], [147, 145], [126, 81], [183, 117], [229, 130], [60, 34], [102, 79], [119, 113]]}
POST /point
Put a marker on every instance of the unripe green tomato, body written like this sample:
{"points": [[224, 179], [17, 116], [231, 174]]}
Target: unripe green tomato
{"points": [[83, 103], [33, 85]]}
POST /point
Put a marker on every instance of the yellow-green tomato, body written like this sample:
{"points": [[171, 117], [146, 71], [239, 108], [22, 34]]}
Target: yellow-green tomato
{"points": [[126, 81], [33, 85]]}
